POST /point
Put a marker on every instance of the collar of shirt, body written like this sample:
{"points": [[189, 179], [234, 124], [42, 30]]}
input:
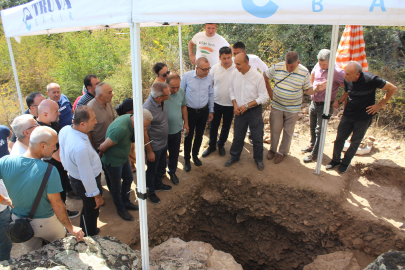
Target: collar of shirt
{"points": [[361, 78], [154, 103], [195, 75], [80, 134], [295, 70]]}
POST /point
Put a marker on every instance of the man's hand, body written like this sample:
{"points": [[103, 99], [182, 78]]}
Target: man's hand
{"points": [[321, 87], [336, 104], [242, 109], [150, 156], [7, 201], [192, 59], [77, 232], [185, 126], [210, 117], [236, 110], [99, 201], [374, 108]]}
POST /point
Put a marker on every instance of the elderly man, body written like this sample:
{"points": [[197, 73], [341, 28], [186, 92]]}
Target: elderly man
{"points": [[115, 151], [48, 115], [177, 117], [291, 80], [319, 77], [254, 61], [22, 126], [103, 109], [84, 166], [360, 89], [156, 140], [248, 93], [33, 100], [65, 107], [208, 44], [223, 107], [23, 175], [200, 107], [90, 83]]}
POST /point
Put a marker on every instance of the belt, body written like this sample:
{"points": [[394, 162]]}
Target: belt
{"points": [[200, 109], [321, 103]]}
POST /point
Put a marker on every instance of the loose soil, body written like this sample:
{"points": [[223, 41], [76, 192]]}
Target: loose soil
{"points": [[282, 217]]}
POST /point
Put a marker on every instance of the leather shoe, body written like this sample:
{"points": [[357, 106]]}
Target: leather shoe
{"points": [[197, 162], [230, 162], [208, 152], [279, 158], [260, 165], [131, 206], [221, 151], [187, 165], [270, 155], [125, 215], [174, 178]]}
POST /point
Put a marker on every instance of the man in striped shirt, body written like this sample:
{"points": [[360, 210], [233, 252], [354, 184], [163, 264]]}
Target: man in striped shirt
{"points": [[291, 80]]}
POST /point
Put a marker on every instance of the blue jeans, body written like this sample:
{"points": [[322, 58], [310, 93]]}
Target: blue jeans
{"points": [[227, 113], [5, 243], [155, 170], [120, 193]]}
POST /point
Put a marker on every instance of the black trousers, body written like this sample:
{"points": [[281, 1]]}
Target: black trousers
{"points": [[197, 120], [173, 146], [89, 215], [225, 113], [253, 119]]}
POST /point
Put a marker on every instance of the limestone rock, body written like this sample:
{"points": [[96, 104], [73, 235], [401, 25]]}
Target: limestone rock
{"points": [[339, 260], [391, 260], [177, 254]]}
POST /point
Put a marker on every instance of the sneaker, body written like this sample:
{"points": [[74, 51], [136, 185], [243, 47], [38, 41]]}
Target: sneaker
{"points": [[343, 168], [208, 152], [309, 158], [72, 214], [308, 149], [230, 162], [154, 199], [332, 165], [260, 165], [163, 187], [221, 151], [125, 215]]}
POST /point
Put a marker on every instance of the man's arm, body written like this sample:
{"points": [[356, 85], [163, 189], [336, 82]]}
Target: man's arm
{"points": [[6, 201], [55, 155], [60, 211], [149, 152], [211, 103], [191, 52], [106, 145], [391, 89], [268, 86], [184, 115]]}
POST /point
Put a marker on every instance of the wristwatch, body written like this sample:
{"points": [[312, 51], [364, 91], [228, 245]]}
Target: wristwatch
{"points": [[247, 106]]}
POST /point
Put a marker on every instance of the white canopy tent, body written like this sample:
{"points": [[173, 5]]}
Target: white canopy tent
{"points": [[56, 16]]}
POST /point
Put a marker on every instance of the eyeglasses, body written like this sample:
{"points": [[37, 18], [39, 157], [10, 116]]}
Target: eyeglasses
{"points": [[36, 124], [164, 96], [204, 69], [165, 74]]}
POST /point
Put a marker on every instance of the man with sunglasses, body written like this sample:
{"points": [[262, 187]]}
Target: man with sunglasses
{"points": [[223, 107], [200, 107]]}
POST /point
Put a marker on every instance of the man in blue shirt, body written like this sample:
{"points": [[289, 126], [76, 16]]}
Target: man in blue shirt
{"points": [[200, 107], [65, 107]]}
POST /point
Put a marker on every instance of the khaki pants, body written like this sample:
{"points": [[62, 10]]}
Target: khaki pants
{"points": [[49, 229], [280, 120]]}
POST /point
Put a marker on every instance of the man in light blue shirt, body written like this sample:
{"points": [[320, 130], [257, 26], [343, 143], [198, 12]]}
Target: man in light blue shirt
{"points": [[200, 106]]}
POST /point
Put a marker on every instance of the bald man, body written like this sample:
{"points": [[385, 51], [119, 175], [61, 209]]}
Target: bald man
{"points": [[48, 115], [65, 107]]}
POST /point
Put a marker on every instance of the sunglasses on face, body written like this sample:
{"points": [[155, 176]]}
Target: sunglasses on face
{"points": [[165, 74]]}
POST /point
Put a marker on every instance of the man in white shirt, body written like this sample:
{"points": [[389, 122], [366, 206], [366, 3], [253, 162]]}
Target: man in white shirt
{"points": [[208, 44], [254, 61], [223, 107], [22, 126], [84, 166], [248, 93]]}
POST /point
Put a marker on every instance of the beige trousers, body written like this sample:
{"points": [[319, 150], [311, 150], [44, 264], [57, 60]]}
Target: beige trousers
{"points": [[279, 121]]}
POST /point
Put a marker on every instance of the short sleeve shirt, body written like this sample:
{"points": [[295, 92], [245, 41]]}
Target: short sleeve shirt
{"points": [[22, 177], [158, 130], [361, 95], [287, 92], [4, 133], [104, 116], [174, 113], [120, 132], [208, 47], [65, 109]]}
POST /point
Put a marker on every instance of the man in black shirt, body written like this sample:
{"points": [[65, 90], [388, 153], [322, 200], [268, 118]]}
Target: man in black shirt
{"points": [[360, 88]]}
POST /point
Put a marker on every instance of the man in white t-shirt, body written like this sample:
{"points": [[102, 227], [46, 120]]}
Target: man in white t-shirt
{"points": [[22, 126], [254, 61], [223, 107], [208, 44]]}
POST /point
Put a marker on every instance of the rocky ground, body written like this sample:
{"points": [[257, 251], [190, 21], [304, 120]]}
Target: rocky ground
{"points": [[285, 216]]}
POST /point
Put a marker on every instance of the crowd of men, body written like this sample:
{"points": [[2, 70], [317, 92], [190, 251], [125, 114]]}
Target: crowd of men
{"points": [[227, 85]]}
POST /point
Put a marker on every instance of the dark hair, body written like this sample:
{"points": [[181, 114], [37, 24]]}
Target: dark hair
{"points": [[225, 50], [125, 106], [87, 80], [292, 58], [81, 114], [239, 45], [158, 67], [172, 76], [30, 98]]}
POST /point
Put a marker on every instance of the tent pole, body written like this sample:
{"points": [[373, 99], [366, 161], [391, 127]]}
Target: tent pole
{"points": [[328, 93], [17, 83], [139, 142], [180, 51]]}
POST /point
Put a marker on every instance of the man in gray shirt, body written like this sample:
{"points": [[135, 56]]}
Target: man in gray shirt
{"points": [[157, 134]]}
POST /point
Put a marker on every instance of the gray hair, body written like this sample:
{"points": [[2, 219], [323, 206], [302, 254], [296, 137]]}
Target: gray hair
{"points": [[42, 134], [157, 89], [323, 55], [99, 87], [147, 115], [51, 85], [357, 66], [20, 124]]}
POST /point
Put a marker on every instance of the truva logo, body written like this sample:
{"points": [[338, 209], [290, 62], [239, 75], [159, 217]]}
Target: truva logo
{"points": [[261, 12]]}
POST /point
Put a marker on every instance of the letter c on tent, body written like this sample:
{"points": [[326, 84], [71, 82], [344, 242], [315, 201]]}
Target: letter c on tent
{"points": [[261, 12]]}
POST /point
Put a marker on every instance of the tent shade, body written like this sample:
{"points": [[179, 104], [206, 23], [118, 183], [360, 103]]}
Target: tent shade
{"points": [[331, 12]]}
